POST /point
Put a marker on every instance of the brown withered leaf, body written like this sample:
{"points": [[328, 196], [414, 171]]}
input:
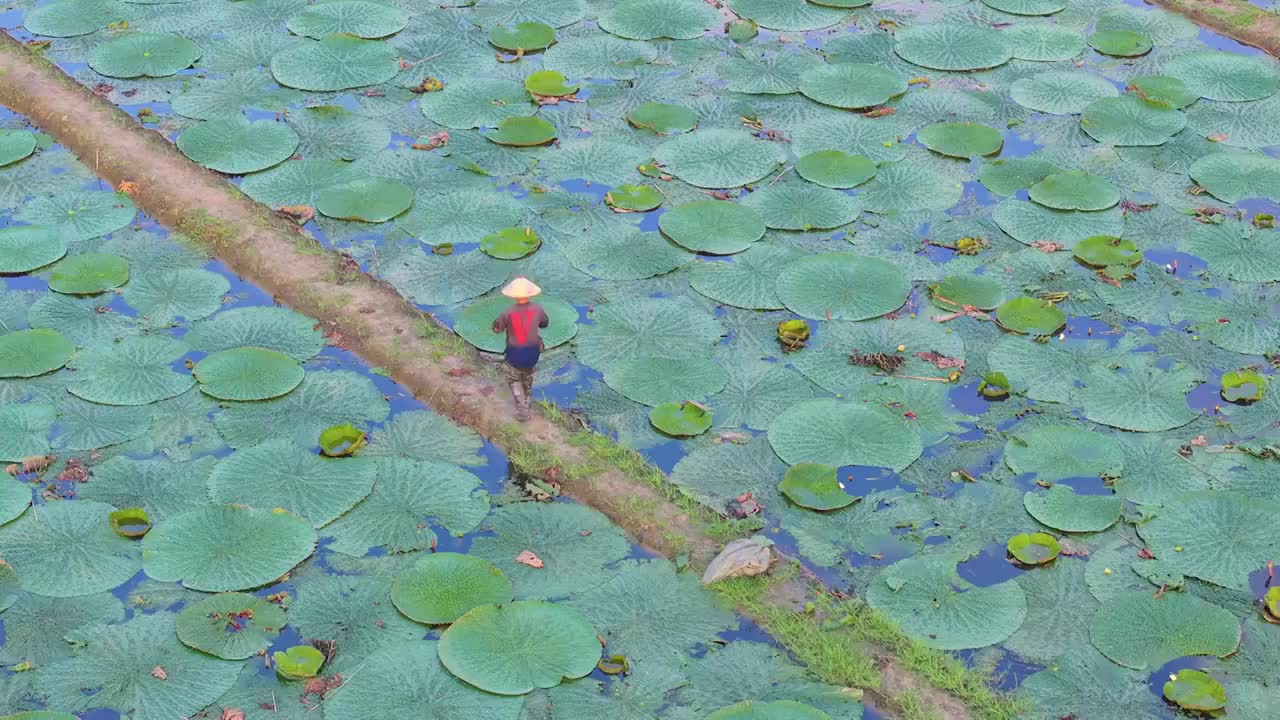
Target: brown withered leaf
{"points": [[526, 557]]}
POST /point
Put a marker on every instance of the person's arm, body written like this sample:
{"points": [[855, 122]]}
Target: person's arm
{"points": [[500, 323], [543, 320]]}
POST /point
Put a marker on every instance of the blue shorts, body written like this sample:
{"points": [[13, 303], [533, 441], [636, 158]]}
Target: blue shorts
{"points": [[523, 356]]}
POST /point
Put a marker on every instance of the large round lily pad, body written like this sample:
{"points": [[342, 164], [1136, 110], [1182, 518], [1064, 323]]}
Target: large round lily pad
{"points": [[1225, 75], [653, 19], [814, 486], [851, 85], [23, 249], [718, 158], [89, 274], [1063, 509], [1195, 690], [662, 118], [516, 648], [442, 587], [134, 371], [1222, 536], [248, 373], [1234, 176], [335, 62], [475, 323], [657, 380], [1140, 631], [717, 227], [478, 102], [218, 548], [952, 46], [236, 146], [351, 17], [522, 131], [273, 328], [232, 626], [1120, 43], [1060, 92], [802, 206], [368, 199], [1031, 316], [955, 292], [68, 549], [1106, 251], [962, 139], [1064, 451], [280, 473], [28, 353], [681, 419], [144, 55], [835, 169], [523, 37], [1075, 190], [1130, 120], [16, 145], [79, 214], [775, 710], [838, 286], [69, 18], [749, 281], [839, 433]]}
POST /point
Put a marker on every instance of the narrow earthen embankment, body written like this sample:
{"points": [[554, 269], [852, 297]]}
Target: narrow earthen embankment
{"points": [[370, 318], [1237, 19]]}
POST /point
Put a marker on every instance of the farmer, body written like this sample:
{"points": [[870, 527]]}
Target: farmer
{"points": [[521, 322]]}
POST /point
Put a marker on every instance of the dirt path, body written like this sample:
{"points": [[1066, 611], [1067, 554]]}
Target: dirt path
{"points": [[1237, 19], [370, 318]]}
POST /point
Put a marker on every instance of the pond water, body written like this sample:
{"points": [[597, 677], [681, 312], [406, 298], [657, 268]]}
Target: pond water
{"points": [[1116, 415]]}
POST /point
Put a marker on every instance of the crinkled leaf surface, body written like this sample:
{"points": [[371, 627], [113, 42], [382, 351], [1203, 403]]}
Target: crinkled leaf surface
{"points": [[838, 433], [219, 626], [248, 373], [1140, 631], [1224, 536], [68, 549], [334, 62], [280, 474], [1064, 451], [717, 158], [28, 353], [236, 146], [79, 215], [324, 399], [144, 55], [442, 587], [273, 328], [839, 286], [135, 371]]}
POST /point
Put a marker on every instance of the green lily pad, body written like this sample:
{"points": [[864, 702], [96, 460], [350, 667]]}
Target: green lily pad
{"points": [[523, 132], [1030, 316], [1055, 452], [342, 440], [69, 18], [680, 419], [16, 145], [28, 353], [298, 662], [1034, 548], [654, 19], [130, 522], [1120, 43], [633, 198], [1044, 42], [89, 274], [368, 199], [23, 249], [134, 371], [653, 381], [1243, 386], [814, 486], [1060, 92], [236, 146], [662, 118], [232, 626], [952, 46], [1105, 251], [79, 215], [713, 226], [1163, 91], [1063, 509], [1075, 190], [1195, 690], [1271, 601], [477, 102], [955, 292], [358, 18], [1009, 175], [835, 169], [994, 385], [1225, 75], [273, 328], [962, 139], [1137, 396], [549, 83], [516, 648], [144, 55], [218, 548], [776, 710], [1028, 222], [1129, 120], [741, 31], [832, 432], [801, 206], [718, 158], [851, 85], [1027, 7], [839, 286], [524, 37], [248, 373], [749, 281], [475, 323], [929, 600], [442, 587], [1234, 176], [510, 243], [1140, 631], [1223, 536], [279, 473], [788, 14], [335, 62], [68, 549], [15, 498]]}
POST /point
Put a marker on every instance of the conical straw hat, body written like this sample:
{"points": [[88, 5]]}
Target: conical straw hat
{"points": [[521, 287]]}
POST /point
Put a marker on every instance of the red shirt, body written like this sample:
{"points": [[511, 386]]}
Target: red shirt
{"points": [[521, 323]]}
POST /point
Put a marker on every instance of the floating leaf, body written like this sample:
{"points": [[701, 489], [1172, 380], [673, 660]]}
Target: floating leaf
{"points": [[1226, 76], [1140, 631], [28, 353], [962, 139], [1138, 397], [236, 146], [163, 297], [523, 132], [23, 249], [788, 14], [89, 274], [79, 215], [342, 440], [490, 647], [273, 328], [1030, 316], [1120, 43], [956, 292], [749, 280], [1106, 251], [548, 83], [1224, 536], [662, 118], [368, 199], [633, 198], [801, 206], [524, 37], [1195, 690], [835, 169], [144, 55], [838, 433], [1060, 92], [952, 46], [1234, 176], [713, 226], [1027, 7], [298, 662], [851, 85], [16, 145], [350, 17], [680, 419], [1044, 42], [69, 18], [838, 286], [1243, 386], [1009, 175], [655, 380], [226, 547], [1029, 222], [1129, 120], [335, 62], [653, 19], [1075, 190], [232, 626], [815, 487], [1063, 509], [442, 587], [135, 371], [68, 549], [1056, 452], [510, 243], [248, 373], [718, 158], [1034, 548], [281, 474]]}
